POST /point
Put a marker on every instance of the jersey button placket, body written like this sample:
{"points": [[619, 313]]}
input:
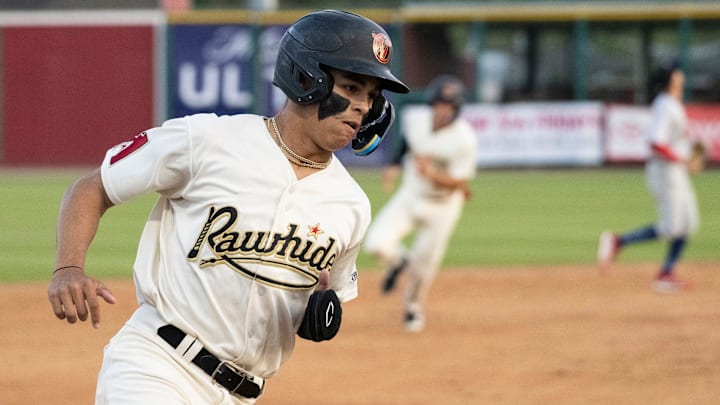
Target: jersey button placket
{"points": [[286, 198]]}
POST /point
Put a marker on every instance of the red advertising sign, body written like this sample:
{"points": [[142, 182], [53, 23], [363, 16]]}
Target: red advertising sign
{"points": [[625, 126], [704, 126]]}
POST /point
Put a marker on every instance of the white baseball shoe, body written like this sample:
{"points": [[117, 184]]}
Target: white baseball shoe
{"points": [[414, 322], [608, 249], [668, 284]]}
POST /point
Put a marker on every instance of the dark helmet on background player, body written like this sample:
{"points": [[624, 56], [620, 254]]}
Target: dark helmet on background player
{"points": [[332, 39], [662, 75], [445, 88]]}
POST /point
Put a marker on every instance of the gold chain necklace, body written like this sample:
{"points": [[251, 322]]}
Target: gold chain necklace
{"points": [[294, 157]]}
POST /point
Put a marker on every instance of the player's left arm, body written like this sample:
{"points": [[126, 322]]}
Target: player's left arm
{"points": [[323, 314]]}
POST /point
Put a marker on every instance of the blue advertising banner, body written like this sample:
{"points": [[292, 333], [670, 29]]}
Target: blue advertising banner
{"points": [[228, 69], [211, 69], [269, 42]]}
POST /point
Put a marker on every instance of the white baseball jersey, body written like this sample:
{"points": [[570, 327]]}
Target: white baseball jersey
{"points": [[453, 149], [668, 126], [669, 182], [231, 250]]}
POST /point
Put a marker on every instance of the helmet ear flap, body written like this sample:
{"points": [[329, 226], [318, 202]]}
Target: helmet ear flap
{"points": [[377, 122], [302, 84]]}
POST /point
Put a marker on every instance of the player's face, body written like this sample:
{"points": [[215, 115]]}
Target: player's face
{"points": [[340, 115], [677, 80], [444, 114]]}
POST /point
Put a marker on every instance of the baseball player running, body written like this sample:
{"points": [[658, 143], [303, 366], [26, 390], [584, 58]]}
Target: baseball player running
{"points": [[440, 160], [255, 233], [668, 181]]}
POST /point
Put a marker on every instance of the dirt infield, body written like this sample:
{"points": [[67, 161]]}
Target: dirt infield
{"points": [[512, 336]]}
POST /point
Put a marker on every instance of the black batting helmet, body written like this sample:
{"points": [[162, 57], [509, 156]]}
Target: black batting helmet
{"points": [[445, 88], [334, 39], [663, 73]]}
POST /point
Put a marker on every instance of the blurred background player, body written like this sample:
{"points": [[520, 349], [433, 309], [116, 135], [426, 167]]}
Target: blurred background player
{"points": [[438, 159], [668, 181]]}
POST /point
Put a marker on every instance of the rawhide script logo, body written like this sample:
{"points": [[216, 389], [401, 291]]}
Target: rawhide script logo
{"points": [[289, 260]]}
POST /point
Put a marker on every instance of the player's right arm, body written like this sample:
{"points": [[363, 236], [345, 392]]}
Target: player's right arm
{"points": [[72, 294], [156, 160]]}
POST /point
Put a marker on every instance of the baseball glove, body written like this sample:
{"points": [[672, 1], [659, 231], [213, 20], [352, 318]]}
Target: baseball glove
{"points": [[698, 157]]}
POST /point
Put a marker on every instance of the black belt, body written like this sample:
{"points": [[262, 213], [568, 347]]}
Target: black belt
{"points": [[235, 381]]}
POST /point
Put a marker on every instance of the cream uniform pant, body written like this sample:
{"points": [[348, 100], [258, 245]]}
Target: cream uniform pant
{"points": [[168, 379], [672, 190], [434, 220]]}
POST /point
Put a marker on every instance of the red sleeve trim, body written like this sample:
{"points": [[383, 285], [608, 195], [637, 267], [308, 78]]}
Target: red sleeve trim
{"points": [[665, 151], [137, 142]]}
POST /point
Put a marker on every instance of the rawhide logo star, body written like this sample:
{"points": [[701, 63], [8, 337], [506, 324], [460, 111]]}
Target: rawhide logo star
{"points": [[381, 47], [315, 231], [288, 260]]}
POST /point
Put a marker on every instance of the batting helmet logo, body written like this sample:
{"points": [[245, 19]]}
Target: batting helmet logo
{"points": [[381, 47]]}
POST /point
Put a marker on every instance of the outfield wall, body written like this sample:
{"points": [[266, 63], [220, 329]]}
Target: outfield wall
{"points": [[624, 131], [75, 83]]}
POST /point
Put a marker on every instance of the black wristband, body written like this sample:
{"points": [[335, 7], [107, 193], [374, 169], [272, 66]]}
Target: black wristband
{"points": [[322, 317], [67, 267]]}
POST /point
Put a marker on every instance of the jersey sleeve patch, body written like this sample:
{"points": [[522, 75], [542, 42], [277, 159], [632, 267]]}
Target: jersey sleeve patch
{"points": [[131, 146]]}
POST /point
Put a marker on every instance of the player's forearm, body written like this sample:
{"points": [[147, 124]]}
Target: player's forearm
{"points": [[82, 206], [442, 179]]}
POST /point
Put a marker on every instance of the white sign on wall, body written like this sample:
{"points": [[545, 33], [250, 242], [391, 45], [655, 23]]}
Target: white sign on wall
{"points": [[533, 134]]}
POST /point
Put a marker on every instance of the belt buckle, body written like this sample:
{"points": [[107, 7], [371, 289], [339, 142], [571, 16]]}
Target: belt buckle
{"points": [[220, 375]]}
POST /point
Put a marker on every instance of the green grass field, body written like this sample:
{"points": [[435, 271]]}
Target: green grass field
{"points": [[517, 217]]}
